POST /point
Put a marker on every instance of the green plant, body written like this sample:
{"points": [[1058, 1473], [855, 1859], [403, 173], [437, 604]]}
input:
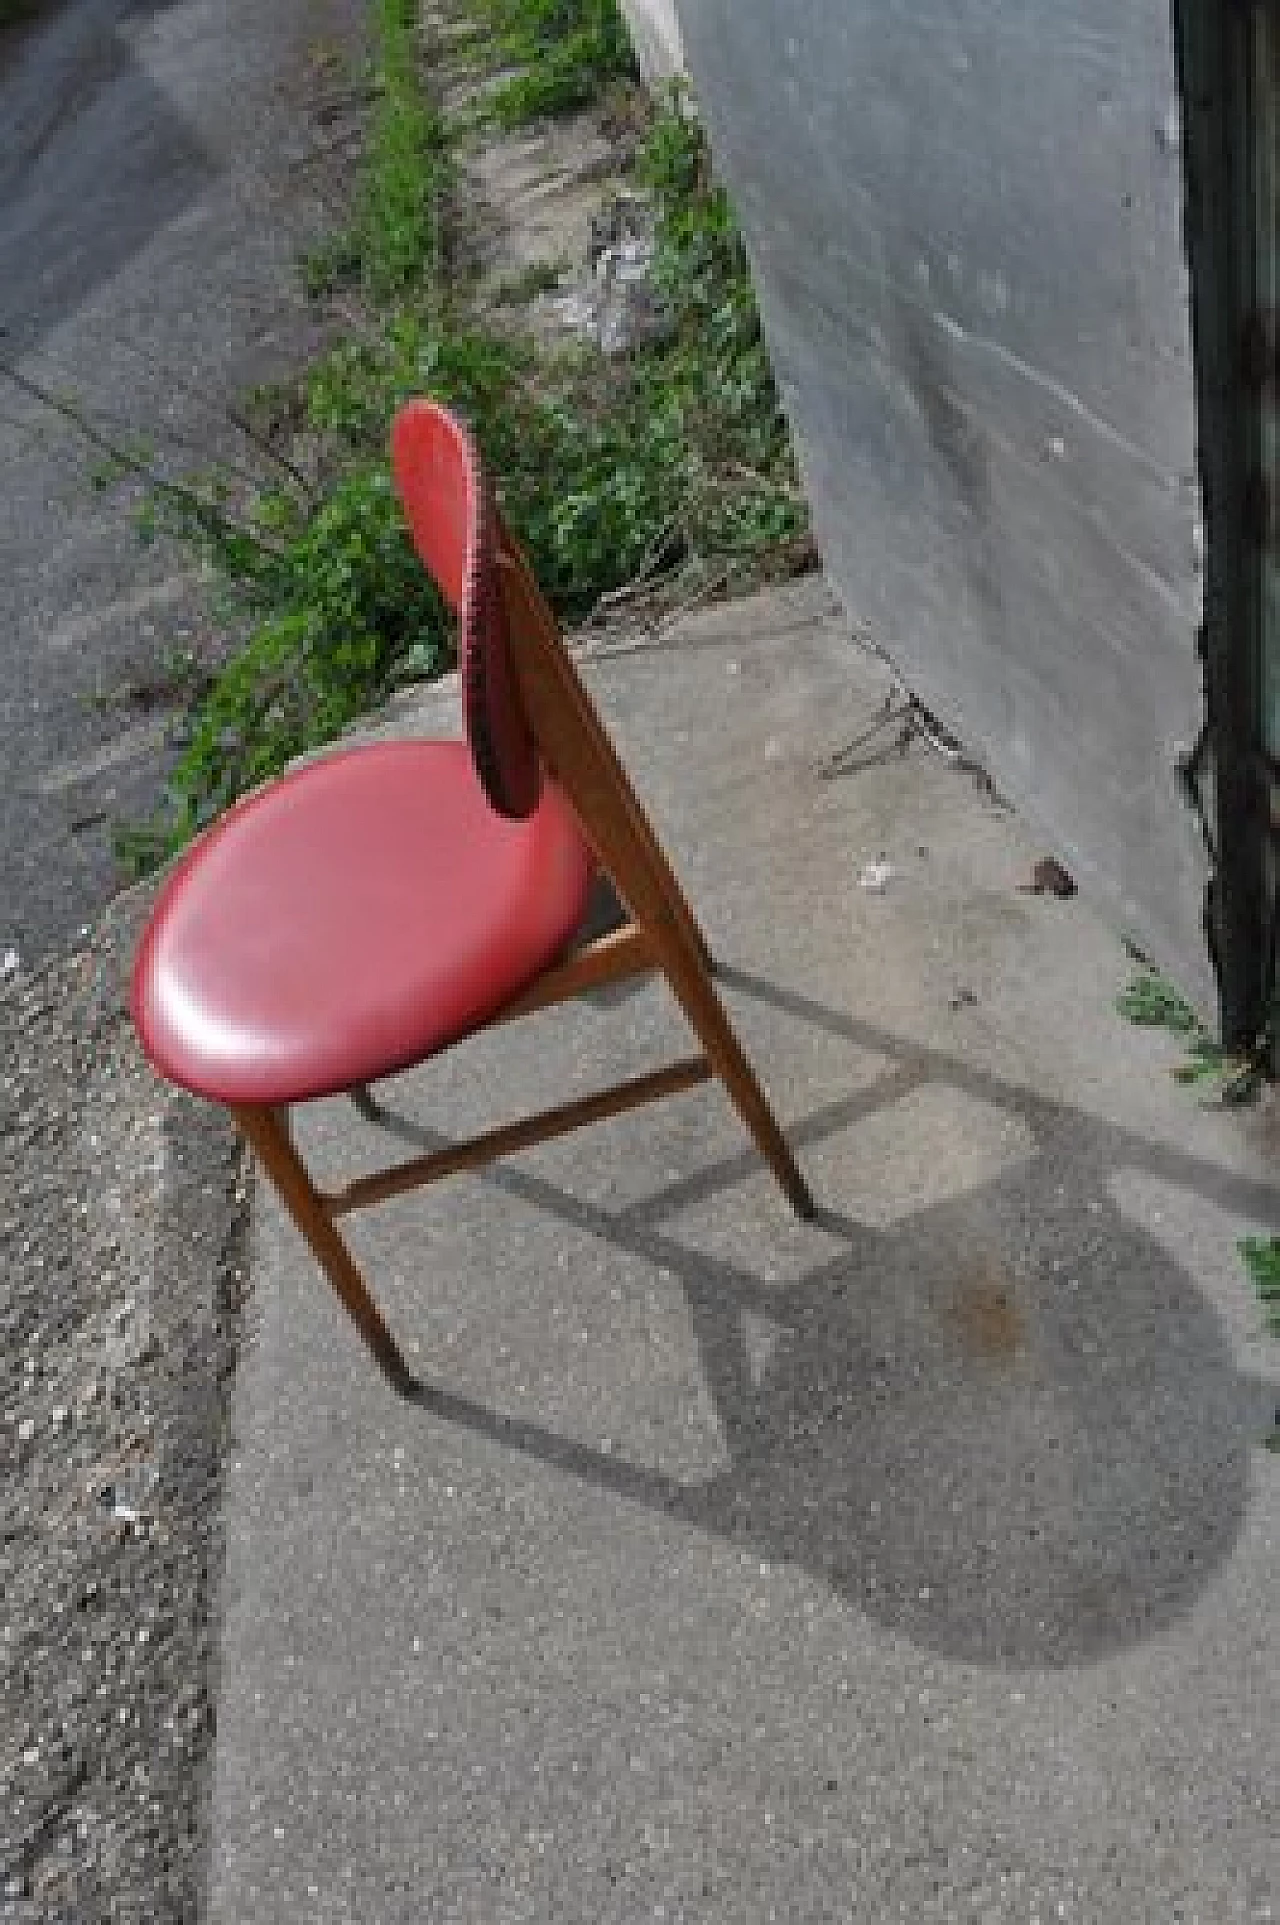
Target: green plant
{"points": [[716, 377], [395, 234], [569, 49], [1262, 1261], [344, 611], [679, 450], [1153, 1003], [331, 263], [1261, 1257]]}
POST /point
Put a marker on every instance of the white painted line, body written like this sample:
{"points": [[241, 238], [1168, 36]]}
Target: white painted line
{"points": [[140, 740], [78, 629], [124, 1143]]}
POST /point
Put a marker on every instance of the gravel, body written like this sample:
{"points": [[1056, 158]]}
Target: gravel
{"points": [[122, 1213]]}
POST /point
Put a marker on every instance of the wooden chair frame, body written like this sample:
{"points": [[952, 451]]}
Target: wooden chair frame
{"points": [[661, 935]]}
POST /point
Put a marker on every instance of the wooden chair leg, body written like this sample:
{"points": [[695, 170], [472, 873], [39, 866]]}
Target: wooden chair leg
{"points": [[689, 923], [691, 982], [268, 1133]]}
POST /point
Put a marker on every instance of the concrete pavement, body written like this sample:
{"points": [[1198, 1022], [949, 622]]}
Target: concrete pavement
{"points": [[919, 1563]]}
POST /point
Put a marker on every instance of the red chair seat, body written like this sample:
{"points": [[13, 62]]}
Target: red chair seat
{"points": [[352, 919]]}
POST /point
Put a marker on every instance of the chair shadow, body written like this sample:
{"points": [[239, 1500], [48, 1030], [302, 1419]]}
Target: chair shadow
{"points": [[1010, 1429]]}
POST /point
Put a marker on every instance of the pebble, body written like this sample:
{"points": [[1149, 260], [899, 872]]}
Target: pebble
{"points": [[115, 1624]]}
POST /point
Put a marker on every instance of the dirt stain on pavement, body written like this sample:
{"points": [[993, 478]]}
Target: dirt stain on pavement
{"points": [[984, 1314]]}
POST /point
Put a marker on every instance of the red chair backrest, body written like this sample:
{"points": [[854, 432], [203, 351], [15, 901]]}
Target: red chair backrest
{"points": [[455, 527]]}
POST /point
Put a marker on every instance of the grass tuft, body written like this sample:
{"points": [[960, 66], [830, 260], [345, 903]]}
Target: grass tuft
{"points": [[394, 242], [1155, 1004], [678, 450], [1261, 1257], [569, 51]]}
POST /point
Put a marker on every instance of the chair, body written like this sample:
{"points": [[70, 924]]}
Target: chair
{"points": [[371, 908]]}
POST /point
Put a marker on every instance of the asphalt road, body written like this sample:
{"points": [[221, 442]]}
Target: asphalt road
{"points": [[159, 168], [159, 172]]}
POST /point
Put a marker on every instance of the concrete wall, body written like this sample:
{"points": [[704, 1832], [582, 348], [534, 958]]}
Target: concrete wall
{"points": [[966, 230], [658, 41]]}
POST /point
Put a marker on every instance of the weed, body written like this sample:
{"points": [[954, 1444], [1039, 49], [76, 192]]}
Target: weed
{"points": [[569, 50], [347, 605], [394, 238], [717, 375], [331, 263], [1155, 1004], [106, 472], [1262, 1261], [678, 450], [1152, 1002], [1261, 1256]]}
